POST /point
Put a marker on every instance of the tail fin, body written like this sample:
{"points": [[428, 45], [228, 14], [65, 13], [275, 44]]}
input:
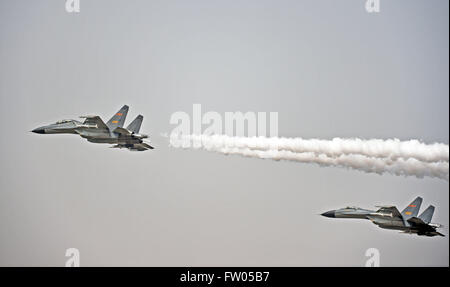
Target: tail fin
{"points": [[427, 214], [412, 209], [118, 119], [135, 125]]}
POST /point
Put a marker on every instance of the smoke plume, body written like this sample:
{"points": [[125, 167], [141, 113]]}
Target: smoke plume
{"points": [[408, 158]]}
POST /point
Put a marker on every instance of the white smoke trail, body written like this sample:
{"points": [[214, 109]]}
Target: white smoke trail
{"points": [[408, 158], [392, 148]]}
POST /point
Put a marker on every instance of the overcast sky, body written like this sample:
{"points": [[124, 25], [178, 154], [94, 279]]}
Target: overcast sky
{"points": [[329, 69]]}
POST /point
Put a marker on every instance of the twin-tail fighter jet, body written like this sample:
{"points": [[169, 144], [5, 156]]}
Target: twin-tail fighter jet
{"points": [[390, 218], [96, 131]]}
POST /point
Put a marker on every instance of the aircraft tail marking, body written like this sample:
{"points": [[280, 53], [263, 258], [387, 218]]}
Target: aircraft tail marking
{"points": [[118, 119], [412, 209]]}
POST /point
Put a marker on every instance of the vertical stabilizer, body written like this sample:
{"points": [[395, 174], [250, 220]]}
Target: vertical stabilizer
{"points": [[118, 119], [135, 125], [412, 209], [427, 214]]}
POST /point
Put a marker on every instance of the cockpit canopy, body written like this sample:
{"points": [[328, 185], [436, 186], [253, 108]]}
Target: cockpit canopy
{"points": [[351, 207], [64, 121]]}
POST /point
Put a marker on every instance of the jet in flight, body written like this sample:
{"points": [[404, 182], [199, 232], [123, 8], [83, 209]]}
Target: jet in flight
{"points": [[96, 131], [389, 217]]}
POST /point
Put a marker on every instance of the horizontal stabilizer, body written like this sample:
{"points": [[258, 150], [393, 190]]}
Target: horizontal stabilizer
{"points": [[122, 131], [416, 221], [144, 146]]}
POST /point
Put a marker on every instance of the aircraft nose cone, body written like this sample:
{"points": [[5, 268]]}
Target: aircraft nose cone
{"points": [[39, 131], [329, 214]]}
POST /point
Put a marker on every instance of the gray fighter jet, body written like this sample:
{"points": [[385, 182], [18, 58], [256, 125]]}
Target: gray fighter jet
{"points": [[390, 218], [96, 131]]}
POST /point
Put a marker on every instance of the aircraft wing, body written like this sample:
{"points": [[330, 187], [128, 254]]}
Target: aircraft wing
{"points": [[94, 120], [390, 209]]}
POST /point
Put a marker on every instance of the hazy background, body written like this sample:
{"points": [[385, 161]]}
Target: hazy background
{"points": [[329, 68]]}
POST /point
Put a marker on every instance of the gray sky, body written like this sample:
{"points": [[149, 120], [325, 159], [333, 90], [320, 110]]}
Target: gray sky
{"points": [[329, 68]]}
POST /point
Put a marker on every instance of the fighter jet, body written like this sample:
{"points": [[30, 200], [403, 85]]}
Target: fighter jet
{"points": [[389, 217], [96, 131]]}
